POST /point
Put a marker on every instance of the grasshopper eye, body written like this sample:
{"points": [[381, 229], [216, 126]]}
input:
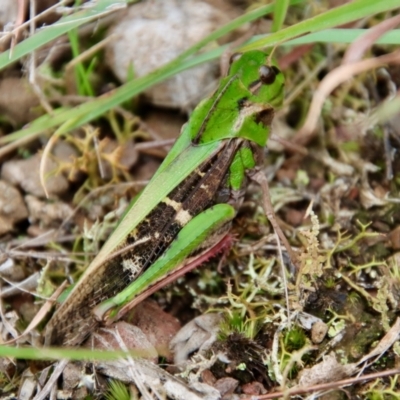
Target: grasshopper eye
{"points": [[268, 74], [234, 57]]}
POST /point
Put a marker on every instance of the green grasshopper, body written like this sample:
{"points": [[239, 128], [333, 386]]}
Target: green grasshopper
{"points": [[185, 212]]}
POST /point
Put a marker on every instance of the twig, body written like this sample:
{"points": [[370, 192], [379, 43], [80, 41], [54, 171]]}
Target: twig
{"points": [[32, 64], [261, 179], [326, 386]]}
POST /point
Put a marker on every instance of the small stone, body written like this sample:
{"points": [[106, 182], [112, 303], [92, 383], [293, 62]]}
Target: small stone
{"points": [[254, 388], [162, 31], [394, 236], [120, 336], [18, 102], [25, 174], [72, 375], [328, 370], [12, 207], [226, 386], [318, 332], [208, 377], [294, 217], [197, 335], [46, 213], [8, 12], [158, 326]]}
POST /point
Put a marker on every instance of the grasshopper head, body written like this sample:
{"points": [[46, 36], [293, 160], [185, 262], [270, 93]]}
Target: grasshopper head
{"points": [[260, 75]]}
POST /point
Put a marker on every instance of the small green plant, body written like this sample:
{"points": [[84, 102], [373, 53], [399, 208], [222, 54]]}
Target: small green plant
{"points": [[234, 322], [293, 347], [117, 391], [330, 282], [351, 243], [82, 74], [378, 390], [294, 339], [353, 298]]}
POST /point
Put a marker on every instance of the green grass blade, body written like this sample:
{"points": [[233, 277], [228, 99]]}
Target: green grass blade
{"points": [[65, 24], [340, 15], [52, 353], [344, 36], [280, 11]]}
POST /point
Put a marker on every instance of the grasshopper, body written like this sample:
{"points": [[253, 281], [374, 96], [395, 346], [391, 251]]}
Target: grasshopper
{"points": [[185, 211]]}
